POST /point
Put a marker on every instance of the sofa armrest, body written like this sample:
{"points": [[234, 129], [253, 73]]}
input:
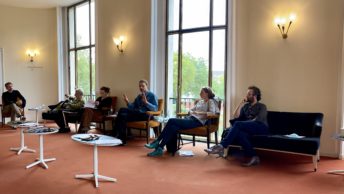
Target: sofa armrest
{"points": [[153, 113], [214, 116], [182, 114]]}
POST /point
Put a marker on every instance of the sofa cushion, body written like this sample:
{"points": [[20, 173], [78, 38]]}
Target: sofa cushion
{"points": [[306, 145], [304, 124]]}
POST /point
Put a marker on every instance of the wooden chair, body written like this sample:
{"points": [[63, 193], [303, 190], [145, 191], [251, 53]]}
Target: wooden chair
{"points": [[4, 116], [71, 117], [106, 111], [149, 123], [211, 126]]}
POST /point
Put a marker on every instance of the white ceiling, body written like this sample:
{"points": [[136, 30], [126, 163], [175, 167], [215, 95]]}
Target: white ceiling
{"points": [[38, 3]]}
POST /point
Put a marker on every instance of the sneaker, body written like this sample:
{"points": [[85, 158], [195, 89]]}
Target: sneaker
{"points": [[94, 131], [64, 130], [157, 152], [52, 107], [84, 130], [252, 162], [152, 145], [216, 149]]}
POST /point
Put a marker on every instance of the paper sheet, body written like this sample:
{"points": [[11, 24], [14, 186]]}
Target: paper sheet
{"points": [[294, 135], [90, 104], [186, 153]]}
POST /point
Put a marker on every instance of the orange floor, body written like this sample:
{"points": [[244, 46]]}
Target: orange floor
{"points": [[137, 173]]}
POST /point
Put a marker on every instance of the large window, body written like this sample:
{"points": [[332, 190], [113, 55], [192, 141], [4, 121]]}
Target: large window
{"points": [[196, 51], [81, 47]]}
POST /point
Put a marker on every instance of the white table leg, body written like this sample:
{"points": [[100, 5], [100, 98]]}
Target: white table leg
{"points": [[41, 159], [36, 117], [22, 147], [95, 174], [335, 172]]}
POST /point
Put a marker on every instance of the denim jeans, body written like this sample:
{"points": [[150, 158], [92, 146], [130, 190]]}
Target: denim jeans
{"points": [[242, 131], [173, 126]]}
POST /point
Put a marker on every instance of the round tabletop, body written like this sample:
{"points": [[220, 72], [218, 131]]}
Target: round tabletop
{"points": [[36, 108], [22, 124], [95, 139], [41, 131], [339, 137]]}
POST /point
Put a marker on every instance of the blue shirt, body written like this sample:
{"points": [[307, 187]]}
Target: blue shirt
{"points": [[140, 106]]}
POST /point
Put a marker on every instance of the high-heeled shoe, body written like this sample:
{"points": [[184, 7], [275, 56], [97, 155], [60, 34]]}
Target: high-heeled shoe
{"points": [[252, 162], [216, 149]]}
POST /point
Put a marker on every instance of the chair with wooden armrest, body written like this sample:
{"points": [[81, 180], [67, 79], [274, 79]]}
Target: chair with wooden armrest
{"points": [[6, 115], [211, 126], [149, 123], [71, 117], [106, 111]]}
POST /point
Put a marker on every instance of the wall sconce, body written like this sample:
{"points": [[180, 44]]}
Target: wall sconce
{"points": [[281, 24], [119, 43], [31, 54]]}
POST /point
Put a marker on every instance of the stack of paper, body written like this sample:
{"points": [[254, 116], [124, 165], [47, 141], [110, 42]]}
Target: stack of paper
{"points": [[90, 104], [186, 153], [294, 135]]}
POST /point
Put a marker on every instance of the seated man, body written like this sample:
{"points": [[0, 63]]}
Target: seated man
{"points": [[71, 104], [136, 111], [250, 119], [13, 102]]}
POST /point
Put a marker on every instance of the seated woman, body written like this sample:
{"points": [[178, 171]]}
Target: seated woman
{"points": [[102, 106], [71, 104], [198, 117]]}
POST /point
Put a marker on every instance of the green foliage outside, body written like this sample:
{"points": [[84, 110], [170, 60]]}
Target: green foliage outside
{"points": [[83, 71], [195, 76]]}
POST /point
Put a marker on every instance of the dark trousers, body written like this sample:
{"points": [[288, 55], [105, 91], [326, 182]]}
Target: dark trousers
{"points": [[57, 116], [173, 126], [126, 115], [242, 131]]}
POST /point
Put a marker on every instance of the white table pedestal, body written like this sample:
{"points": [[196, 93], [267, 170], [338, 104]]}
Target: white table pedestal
{"points": [[339, 138], [95, 174], [336, 172], [41, 159], [36, 109], [22, 147]]}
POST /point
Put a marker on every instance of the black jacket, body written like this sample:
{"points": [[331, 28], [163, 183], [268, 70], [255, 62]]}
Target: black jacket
{"points": [[9, 98]]}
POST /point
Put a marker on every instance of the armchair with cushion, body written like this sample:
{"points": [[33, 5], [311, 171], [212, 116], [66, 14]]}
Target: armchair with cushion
{"points": [[72, 117], [211, 126], [149, 123], [6, 115]]}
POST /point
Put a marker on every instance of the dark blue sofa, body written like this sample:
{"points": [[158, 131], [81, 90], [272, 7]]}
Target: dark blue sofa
{"points": [[284, 123]]}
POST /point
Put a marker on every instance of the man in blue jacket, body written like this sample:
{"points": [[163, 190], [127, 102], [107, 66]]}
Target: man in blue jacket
{"points": [[135, 111]]}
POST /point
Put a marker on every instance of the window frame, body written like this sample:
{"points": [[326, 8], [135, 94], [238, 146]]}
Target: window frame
{"points": [[90, 46], [180, 31]]}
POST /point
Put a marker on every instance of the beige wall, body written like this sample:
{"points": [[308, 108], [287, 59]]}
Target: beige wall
{"points": [[296, 74], [121, 71], [23, 29], [299, 73]]}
